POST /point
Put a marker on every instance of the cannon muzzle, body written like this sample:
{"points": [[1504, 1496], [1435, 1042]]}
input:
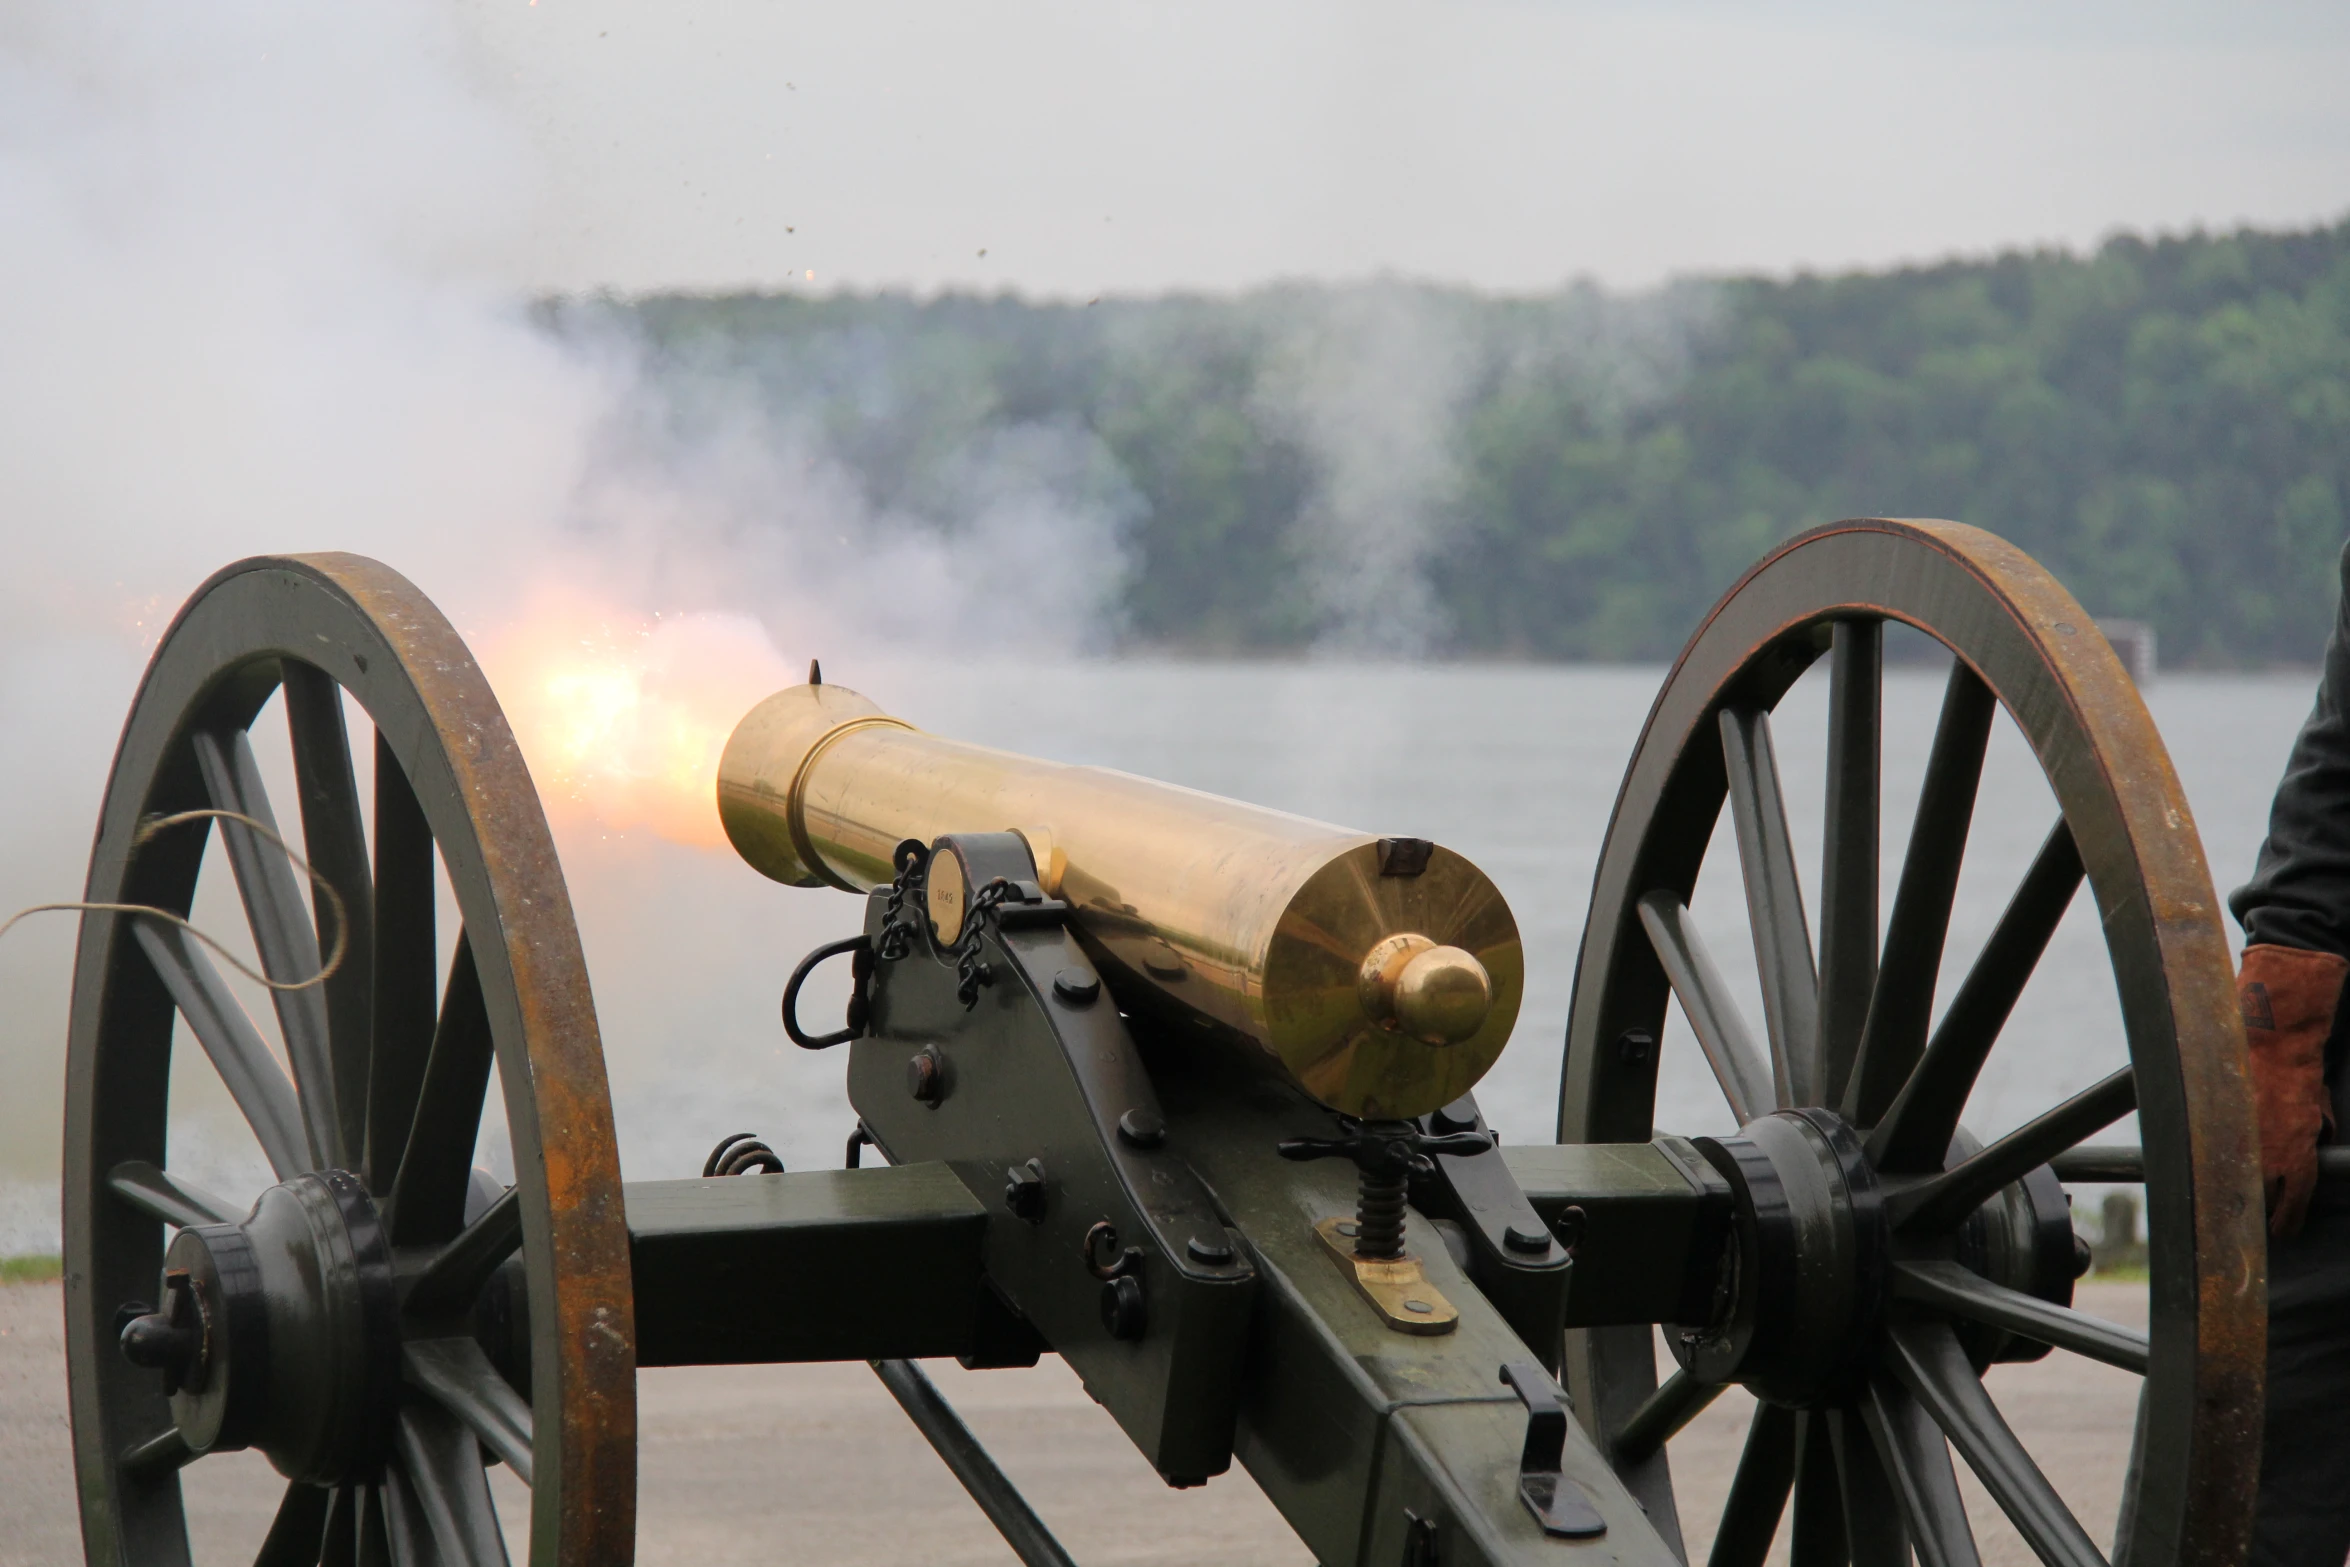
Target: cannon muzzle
{"points": [[1382, 975]]}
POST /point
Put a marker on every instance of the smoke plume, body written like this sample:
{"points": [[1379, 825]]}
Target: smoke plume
{"points": [[257, 297]]}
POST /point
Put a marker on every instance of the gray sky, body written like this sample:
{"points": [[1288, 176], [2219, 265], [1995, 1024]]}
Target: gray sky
{"points": [[1114, 145]]}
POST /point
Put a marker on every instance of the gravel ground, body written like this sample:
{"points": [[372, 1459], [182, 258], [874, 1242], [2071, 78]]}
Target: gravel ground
{"points": [[816, 1464]]}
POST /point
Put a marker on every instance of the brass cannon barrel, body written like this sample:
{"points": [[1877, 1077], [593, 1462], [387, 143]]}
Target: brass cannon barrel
{"points": [[1382, 974]]}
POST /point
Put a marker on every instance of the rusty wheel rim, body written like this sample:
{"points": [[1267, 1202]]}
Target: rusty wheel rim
{"points": [[389, 1074], [2022, 642]]}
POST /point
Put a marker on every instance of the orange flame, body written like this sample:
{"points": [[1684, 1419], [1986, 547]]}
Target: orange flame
{"points": [[622, 716]]}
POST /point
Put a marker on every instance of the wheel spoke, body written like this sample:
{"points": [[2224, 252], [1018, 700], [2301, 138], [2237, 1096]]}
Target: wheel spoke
{"points": [[374, 1526], [1934, 1370], [1848, 860], [442, 1467], [334, 840], [1912, 1450], [455, 1372], [165, 1197], [220, 1025], [1944, 1202], [1758, 1490], [403, 967], [2124, 1164], [2099, 1164], [283, 933], [1903, 1000], [396, 1524], [341, 1545], [1915, 1133], [299, 1529], [1662, 1415], [1948, 1287], [1819, 1496], [158, 1455], [1873, 1524], [428, 1192], [1774, 904], [1706, 1002], [451, 1281]]}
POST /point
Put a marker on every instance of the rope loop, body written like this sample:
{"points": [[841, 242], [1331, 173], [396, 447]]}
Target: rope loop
{"points": [[156, 824]]}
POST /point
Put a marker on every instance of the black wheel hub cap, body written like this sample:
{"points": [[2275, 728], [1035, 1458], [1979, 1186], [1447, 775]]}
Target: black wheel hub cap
{"points": [[281, 1332]]}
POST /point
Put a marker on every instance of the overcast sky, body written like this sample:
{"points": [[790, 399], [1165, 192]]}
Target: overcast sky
{"points": [[1120, 146]]}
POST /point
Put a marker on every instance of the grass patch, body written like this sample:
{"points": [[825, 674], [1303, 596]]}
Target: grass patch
{"points": [[2125, 1273], [30, 1270]]}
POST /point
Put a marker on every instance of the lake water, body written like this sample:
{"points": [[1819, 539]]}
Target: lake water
{"points": [[1515, 766]]}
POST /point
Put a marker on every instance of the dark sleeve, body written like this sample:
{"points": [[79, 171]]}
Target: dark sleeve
{"points": [[2299, 894]]}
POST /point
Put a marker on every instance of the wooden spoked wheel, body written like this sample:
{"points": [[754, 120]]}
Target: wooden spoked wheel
{"points": [[1882, 1257], [381, 1324]]}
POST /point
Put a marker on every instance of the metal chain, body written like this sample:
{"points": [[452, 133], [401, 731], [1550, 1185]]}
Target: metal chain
{"points": [[912, 859], [970, 972]]}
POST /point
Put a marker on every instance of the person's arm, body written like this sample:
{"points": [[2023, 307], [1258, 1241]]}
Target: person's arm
{"points": [[2296, 917], [2299, 894]]}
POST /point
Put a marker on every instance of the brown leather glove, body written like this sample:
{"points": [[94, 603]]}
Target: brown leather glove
{"points": [[2289, 996]]}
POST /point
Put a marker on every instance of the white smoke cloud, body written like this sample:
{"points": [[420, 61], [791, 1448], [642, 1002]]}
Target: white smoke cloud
{"points": [[1366, 381], [255, 297], [1370, 382]]}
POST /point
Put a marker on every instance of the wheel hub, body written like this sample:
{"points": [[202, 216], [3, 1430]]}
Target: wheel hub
{"points": [[281, 1332], [1807, 1277], [1807, 1274]]}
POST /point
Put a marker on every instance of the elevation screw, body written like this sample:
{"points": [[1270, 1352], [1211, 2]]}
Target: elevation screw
{"points": [[1386, 1155]]}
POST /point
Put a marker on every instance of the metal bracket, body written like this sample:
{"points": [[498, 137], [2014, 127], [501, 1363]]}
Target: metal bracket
{"points": [[1065, 1129], [1514, 1259], [1396, 1287], [1562, 1507]]}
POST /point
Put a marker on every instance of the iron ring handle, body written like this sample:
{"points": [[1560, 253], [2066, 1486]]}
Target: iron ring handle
{"points": [[1117, 1267], [861, 969]]}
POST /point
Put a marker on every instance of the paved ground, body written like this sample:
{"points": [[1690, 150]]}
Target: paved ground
{"points": [[815, 1464]]}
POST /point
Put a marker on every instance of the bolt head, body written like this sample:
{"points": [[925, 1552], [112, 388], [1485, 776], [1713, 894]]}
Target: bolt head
{"points": [[1528, 1239], [1076, 988], [926, 1077], [1141, 1128], [1208, 1250], [1124, 1311]]}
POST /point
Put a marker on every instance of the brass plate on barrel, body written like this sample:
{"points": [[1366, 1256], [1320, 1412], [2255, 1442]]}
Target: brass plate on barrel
{"points": [[947, 891]]}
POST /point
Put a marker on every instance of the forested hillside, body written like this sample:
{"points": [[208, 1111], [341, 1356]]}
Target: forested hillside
{"points": [[1392, 467]]}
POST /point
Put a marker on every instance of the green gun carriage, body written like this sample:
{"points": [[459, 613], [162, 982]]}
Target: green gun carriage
{"points": [[1180, 1091]]}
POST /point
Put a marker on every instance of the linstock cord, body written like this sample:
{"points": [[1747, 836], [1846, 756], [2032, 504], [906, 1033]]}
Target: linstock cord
{"points": [[156, 824]]}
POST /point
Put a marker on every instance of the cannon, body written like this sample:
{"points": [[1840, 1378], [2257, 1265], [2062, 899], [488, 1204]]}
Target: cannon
{"points": [[1182, 1092]]}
